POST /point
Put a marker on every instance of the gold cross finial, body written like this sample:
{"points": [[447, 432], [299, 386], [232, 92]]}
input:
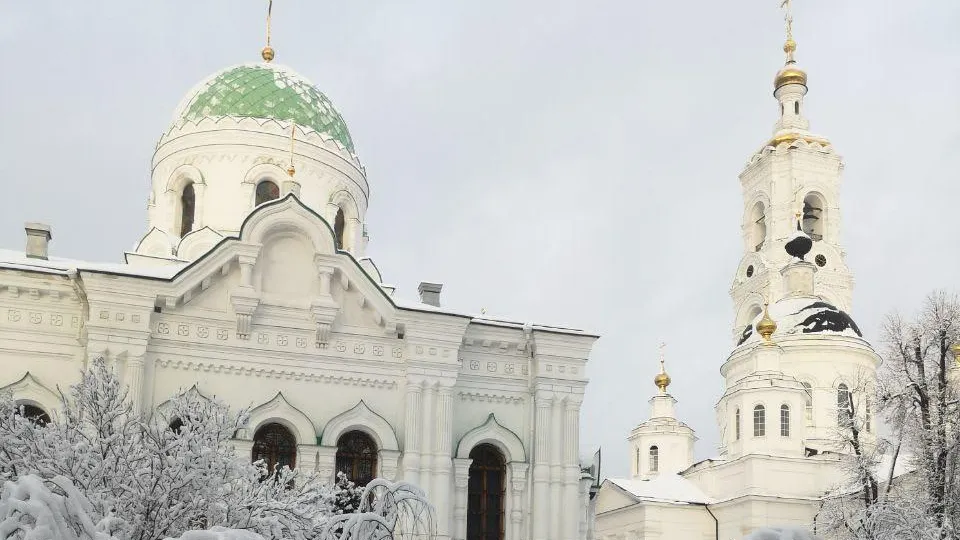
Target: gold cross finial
{"points": [[662, 347], [662, 380], [268, 53], [790, 45], [293, 131]]}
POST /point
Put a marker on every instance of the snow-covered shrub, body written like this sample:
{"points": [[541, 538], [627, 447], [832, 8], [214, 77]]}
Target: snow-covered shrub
{"points": [[34, 509]]}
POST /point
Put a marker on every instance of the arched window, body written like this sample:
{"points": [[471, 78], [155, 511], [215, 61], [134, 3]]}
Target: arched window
{"points": [[758, 225], [808, 403], [813, 216], [485, 494], [759, 421], [33, 413], [176, 425], [796, 107], [276, 446], [844, 405], [188, 203], [339, 225], [267, 190], [654, 459], [357, 457], [784, 420], [736, 423]]}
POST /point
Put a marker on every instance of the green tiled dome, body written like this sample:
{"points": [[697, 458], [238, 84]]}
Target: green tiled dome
{"points": [[265, 91]]}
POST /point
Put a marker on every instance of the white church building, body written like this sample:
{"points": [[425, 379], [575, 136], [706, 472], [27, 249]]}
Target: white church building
{"points": [[252, 284], [791, 362]]}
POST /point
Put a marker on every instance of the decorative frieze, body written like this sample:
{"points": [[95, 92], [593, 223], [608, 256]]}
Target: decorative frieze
{"points": [[40, 320], [490, 398], [273, 373]]}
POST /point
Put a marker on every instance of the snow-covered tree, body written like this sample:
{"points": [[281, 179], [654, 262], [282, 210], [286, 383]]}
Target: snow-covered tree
{"points": [[916, 391], [163, 476]]}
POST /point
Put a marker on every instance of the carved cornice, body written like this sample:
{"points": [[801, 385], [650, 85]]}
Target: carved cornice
{"points": [[274, 373], [490, 398]]}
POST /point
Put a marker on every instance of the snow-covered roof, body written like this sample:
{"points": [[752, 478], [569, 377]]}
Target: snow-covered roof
{"points": [[668, 488], [17, 260], [804, 315]]}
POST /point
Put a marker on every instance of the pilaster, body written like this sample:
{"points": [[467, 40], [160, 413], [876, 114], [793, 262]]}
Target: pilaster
{"points": [[518, 484], [541, 467], [411, 431], [461, 480]]}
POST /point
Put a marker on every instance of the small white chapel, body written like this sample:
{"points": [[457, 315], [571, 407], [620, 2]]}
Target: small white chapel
{"points": [[253, 284], [796, 354]]}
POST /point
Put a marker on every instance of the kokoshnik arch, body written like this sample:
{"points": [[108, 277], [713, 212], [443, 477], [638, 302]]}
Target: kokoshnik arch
{"points": [[252, 283]]}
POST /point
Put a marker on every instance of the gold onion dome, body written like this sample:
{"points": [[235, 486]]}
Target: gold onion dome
{"points": [[662, 380], [766, 326], [790, 74]]}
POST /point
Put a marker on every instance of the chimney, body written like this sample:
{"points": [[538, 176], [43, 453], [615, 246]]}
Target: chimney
{"points": [[430, 293], [38, 236]]}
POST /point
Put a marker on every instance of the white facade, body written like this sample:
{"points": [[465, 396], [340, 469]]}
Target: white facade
{"points": [[257, 305], [778, 416]]}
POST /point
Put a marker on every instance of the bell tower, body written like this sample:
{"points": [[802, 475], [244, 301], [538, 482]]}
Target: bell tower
{"points": [[795, 171]]}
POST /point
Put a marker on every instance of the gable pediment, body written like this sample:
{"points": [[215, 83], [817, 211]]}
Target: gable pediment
{"points": [[283, 268]]}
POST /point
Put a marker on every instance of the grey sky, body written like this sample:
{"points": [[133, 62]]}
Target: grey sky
{"points": [[567, 162]]}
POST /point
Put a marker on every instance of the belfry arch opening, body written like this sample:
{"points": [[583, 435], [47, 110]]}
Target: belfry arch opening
{"points": [[758, 226], [813, 214]]}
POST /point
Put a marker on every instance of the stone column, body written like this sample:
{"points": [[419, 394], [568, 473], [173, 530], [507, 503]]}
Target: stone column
{"points": [[541, 468], [134, 378], [428, 424], [442, 465], [327, 462], [461, 479], [411, 432], [571, 469], [518, 483], [556, 469]]}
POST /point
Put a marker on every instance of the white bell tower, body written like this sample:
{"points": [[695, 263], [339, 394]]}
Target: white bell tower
{"points": [[795, 171]]}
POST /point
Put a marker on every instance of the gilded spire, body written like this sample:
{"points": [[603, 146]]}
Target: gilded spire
{"points": [[790, 74], [267, 53], [766, 326], [789, 46], [662, 380], [293, 131]]}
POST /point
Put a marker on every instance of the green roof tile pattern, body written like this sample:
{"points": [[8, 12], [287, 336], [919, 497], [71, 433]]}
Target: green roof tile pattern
{"points": [[266, 91]]}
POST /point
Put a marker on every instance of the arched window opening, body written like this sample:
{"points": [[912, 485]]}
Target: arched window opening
{"points": [[796, 107], [276, 446], [267, 190], [176, 426], [784, 420], [339, 225], [485, 494], [33, 413], [759, 421], [188, 203], [736, 424], [813, 216], [808, 403], [758, 224], [654, 459], [357, 457], [844, 405]]}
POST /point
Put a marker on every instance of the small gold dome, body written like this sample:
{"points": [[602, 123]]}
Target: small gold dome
{"points": [[267, 53], [766, 326], [662, 380], [790, 74], [291, 170]]}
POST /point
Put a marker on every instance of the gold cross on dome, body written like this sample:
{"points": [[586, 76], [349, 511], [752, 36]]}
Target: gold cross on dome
{"points": [[662, 347], [790, 45]]}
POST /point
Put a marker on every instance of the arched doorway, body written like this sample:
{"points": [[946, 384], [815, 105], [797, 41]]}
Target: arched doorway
{"points": [[486, 493], [34, 414], [357, 457], [276, 446]]}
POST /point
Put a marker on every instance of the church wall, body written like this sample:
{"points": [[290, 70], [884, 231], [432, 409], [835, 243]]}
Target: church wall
{"points": [[656, 521]]}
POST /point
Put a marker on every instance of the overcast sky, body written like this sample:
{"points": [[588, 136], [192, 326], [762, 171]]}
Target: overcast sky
{"points": [[565, 162]]}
